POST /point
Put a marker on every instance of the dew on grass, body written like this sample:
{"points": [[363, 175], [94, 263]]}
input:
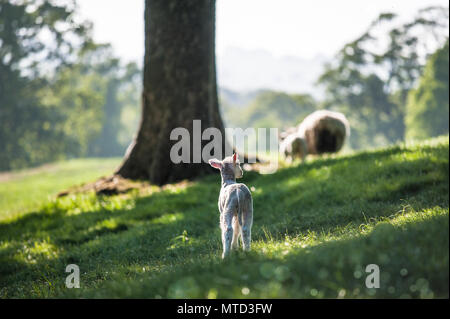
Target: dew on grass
{"points": [[266, 270], [341, 293], [426, 294], [212, 293], [371, 292], [282, 273], [184, 288]]}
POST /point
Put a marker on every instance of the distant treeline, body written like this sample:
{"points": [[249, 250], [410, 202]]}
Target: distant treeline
{"points": [[62, 95], [379, 81]]}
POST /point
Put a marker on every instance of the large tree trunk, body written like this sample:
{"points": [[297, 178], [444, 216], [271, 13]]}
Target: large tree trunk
{"points": [[179, 87]]}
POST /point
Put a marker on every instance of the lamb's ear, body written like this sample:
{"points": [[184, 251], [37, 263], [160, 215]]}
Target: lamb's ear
{"points": [[215, 163], [235, 157]]}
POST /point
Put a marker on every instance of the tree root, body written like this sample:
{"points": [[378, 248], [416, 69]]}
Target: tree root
{"points": [[111, 185]]}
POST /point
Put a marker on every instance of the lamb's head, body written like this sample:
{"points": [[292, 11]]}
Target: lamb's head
{"points": [[229, 167]]}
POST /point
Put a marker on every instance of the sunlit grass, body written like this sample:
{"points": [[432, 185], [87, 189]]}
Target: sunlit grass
{"points": [[316, 226], [26, 190]]}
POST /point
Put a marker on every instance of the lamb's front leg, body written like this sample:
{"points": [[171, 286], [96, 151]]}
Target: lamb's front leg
{"points": [[227, 231]]}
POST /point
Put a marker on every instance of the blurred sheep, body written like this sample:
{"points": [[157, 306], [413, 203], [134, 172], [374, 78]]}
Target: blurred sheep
{"points": [[320, 132], [324, 131], [293, 146]]}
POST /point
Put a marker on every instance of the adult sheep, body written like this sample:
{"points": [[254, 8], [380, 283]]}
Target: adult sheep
{"points": [[320, 132], [324, 131]]}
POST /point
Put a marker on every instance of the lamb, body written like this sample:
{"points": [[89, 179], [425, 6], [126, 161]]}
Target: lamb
{"points": [[293, 146], [235, 205]]}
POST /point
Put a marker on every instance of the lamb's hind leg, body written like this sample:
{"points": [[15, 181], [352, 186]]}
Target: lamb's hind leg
{"points": [[227, 232], [236, 233], [246, 228]]}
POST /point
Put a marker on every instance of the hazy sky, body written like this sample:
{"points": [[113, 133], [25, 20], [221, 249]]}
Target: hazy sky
{"points": [[282, 27]]}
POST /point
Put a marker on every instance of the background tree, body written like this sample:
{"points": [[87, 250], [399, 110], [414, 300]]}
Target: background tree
{"points": [[369, 80], [90, 96], [120, 90], [427, 112], [64, 97], [179, 86], [25, 134]]}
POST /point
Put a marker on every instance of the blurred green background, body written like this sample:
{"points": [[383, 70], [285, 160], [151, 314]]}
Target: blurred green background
{"points": [[63, 96]]}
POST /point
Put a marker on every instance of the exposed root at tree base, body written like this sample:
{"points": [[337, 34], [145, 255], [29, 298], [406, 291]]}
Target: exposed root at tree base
{"points": [[111, 185], [115, 185]]}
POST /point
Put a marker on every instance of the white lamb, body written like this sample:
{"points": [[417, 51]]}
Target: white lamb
{"points": [[293, 146], [235, 205]]}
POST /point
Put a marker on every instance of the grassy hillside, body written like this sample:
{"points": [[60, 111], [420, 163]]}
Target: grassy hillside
{"points": [[316, 227]]}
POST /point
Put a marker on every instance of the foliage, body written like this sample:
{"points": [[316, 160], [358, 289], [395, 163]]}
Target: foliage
{"points": [[316, 227], [91, 94], [369, 82], [37, 32], [61, 95], [428, 105], [266, 109], [24, 55], [274, 109]]}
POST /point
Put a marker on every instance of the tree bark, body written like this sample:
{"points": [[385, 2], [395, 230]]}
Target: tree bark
{"points": [[179, 87]]}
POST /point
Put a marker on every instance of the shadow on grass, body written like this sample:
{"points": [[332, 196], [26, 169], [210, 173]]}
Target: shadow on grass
{"points": [[332, 269], [166, 229]]}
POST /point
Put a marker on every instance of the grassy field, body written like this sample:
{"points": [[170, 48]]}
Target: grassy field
{"points": [[26, 190], [316, 227]]}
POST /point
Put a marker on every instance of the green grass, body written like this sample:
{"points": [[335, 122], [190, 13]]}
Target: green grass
{"points": [[26, 190], [316, 227]]}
